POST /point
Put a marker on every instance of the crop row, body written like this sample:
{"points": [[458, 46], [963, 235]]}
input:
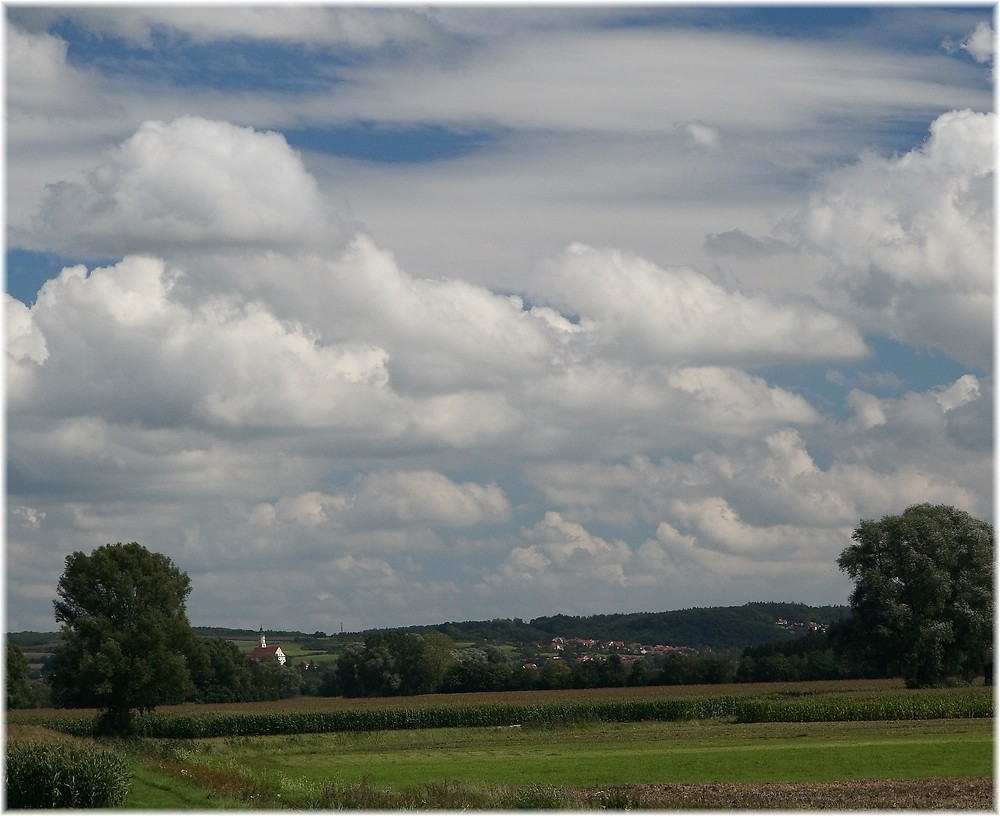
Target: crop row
{"points": [[741, 709]]}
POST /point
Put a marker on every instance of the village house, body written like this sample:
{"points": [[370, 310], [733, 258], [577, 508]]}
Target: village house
{"points": [[264, 653]]}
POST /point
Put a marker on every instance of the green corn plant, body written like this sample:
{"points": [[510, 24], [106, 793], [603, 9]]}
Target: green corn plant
{"points": [[46, 775]]}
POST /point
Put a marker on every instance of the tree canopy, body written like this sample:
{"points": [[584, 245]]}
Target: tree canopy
{"points": [[126, 635], [922, 605], [395, 662], [16, 681]]}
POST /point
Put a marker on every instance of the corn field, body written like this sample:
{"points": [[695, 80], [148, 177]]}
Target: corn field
{"points": [[51, 775], [258, 721]]}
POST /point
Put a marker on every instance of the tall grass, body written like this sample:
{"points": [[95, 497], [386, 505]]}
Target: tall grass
{"points": [[447, 794]]}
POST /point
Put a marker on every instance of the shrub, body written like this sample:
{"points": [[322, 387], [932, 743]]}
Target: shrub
{"points": [[49, 775], [620, 799], [532, 797]]}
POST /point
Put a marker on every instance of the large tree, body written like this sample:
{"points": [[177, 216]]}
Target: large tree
{"points": [[395, 662], [922, 605], [126, 635], [18, 688], [221, 673]]}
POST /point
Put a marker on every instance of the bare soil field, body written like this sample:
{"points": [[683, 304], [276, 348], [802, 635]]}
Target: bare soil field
{"points": [[976, 793]]}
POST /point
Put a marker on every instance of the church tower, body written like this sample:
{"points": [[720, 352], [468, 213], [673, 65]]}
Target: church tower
{"points": [[263, 652]]}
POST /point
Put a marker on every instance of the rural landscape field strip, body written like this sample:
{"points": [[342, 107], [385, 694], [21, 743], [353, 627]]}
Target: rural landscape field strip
{"points": [[619, 748], [643, 753], [259, 721]]}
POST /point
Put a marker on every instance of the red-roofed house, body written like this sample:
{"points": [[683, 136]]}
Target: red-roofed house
{"points": [[264, 652]]}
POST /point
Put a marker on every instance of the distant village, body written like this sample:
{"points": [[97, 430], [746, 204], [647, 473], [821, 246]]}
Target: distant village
{"points": [[800, 627], [584, 650], [566, 649]]}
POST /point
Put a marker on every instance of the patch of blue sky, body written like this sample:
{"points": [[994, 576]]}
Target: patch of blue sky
{"points": [[227, 65], [920, 367], [783, 21], [801, 21], [889, 135], [917, 28], [27, 270], [892, 369], [920, 27], [393, 144]]}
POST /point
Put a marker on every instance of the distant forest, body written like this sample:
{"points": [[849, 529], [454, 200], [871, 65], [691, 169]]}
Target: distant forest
{"points": [[709, 628]]}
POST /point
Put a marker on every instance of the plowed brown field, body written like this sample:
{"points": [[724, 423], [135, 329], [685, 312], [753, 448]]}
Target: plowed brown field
{"points": [[976, 793]]}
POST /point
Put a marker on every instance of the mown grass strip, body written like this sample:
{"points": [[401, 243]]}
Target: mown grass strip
{"points": [[154, 789], [682, 764], [617, 754]]}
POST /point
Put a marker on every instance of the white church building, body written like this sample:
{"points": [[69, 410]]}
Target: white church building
{"points": [[264, 653]]}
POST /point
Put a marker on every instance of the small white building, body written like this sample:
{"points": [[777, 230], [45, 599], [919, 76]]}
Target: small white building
{"points": [[264, 653]]}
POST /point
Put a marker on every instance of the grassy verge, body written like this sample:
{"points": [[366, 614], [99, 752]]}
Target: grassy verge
{"points": [[155, 789]]}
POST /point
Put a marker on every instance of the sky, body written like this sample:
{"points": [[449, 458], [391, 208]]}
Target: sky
{"points": [[390, 315]]}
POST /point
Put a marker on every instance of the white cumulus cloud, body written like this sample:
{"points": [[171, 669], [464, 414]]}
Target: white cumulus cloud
{"points": [[187, 184], [638, 309], [911, 237], [981, 44]]}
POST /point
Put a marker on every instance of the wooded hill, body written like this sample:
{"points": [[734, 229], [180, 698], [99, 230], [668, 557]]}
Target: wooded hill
{"points": [[714, 628]]}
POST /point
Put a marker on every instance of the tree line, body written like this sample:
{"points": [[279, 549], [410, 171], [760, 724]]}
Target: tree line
{"points": [[921, 609], [400, 663]]}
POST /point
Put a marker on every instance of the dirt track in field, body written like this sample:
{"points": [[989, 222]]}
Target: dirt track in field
{"points": [[907, 794]]}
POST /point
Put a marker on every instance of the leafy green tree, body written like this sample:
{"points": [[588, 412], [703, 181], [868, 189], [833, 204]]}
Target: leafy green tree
{"points": [[221, 673], [395, 662], [406, 652], [286, 681], [367, 670], [556, 675], [677, 669], [775, 668], [329, 682], [126, 635], [922, 605], [19, 694], [807, 657], [641, 674], [585, 674], [613, 672], [714, 668], [525, 679], [438, 656], [475, 675]]}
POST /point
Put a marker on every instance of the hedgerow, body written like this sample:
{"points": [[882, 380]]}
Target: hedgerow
{"points": [[51, 775]]}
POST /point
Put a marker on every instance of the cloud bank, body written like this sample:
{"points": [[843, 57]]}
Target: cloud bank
{"points": [[646, 345]]}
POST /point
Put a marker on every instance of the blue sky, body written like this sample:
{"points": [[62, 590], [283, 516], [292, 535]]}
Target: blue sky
{"points": [[390, 315]]}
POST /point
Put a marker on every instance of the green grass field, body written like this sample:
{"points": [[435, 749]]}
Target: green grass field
{"points": [[622, 754]]}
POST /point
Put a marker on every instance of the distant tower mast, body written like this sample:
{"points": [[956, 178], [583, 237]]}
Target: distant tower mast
{"points": [[263, 642]]}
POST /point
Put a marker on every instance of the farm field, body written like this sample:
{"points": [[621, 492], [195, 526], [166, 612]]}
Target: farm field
{"points": [[890, 754], [818, 690], [607, 754]]}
